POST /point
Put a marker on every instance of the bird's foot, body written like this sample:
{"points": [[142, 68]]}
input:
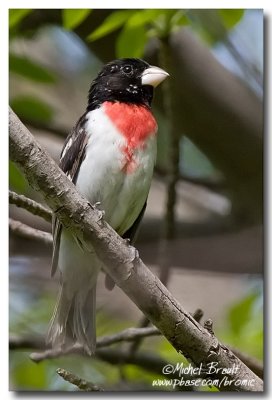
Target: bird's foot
{"points": [[95, 207]]}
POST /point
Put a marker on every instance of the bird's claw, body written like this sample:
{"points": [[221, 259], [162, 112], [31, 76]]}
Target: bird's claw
{"points": [[101, 214], [95, 206], [136, 255]]}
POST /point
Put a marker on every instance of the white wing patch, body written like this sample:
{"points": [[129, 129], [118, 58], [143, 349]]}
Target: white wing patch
{"points": [[66, 148]]}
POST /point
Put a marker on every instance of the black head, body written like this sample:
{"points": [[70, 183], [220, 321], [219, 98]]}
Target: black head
{"points": [[128, 80]]}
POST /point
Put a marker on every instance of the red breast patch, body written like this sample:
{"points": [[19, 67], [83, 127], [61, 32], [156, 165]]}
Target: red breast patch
{"points": [[136, 123]]}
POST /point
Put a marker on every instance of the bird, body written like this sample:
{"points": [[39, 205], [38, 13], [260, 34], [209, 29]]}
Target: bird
{"points": [[109, 155]]}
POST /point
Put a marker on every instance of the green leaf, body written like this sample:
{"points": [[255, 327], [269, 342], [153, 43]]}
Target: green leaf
{"points": [[110, 24], [179, 19], [30, 108], [240, 314], [30, 69], [141, 18], [16, 15], [161, 22], [74, 17], [29, 375], [230, 17], [17, 181], [131, 42]]}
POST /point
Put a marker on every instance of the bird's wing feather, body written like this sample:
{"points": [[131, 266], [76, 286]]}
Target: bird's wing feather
{"points": [[72, 155]]}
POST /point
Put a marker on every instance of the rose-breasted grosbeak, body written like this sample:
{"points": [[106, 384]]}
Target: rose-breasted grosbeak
{"points": [[109, 156]]}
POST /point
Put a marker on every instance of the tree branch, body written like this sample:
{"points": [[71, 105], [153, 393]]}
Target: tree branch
{"points": [[30, 205], [80, 383], [127, 335], [122, 262], [27, 232], [255, 365]]}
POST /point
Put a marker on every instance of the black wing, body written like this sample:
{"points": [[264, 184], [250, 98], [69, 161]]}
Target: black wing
{"points": [[71, 157]]}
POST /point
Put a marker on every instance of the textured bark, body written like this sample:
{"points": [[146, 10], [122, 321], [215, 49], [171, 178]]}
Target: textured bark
{"points": [[122, 261], [26, 232], [30, 205]]}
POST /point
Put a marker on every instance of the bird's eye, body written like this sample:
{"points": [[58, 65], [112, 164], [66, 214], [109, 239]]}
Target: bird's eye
{"points": [[127, 69]]}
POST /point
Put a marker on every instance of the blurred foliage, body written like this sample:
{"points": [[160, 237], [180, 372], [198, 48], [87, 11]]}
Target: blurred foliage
{"points": [[29, 69], [138, 26], [30, 108], [74, 17], [243, 326], [17, 181], [114, 21], [16, 15]]}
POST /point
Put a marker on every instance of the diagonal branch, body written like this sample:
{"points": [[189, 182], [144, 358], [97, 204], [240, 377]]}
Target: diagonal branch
{"points": [[27, 232], [123, 264], [30, 205]]}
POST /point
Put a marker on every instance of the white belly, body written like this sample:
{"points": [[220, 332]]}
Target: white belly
{"points": [[107, 176]]}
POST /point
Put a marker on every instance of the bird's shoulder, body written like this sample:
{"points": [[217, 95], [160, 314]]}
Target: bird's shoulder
{"points": [[73, 151]]}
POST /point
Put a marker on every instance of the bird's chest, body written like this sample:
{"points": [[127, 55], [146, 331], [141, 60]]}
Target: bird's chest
{"points": [[119, 162]]}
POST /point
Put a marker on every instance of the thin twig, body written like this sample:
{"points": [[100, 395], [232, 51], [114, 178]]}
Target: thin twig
{"points": [[198, 314], [126, 335], [30, 205], [51, 354], [208, 324], [86, 386], [27, 232]]}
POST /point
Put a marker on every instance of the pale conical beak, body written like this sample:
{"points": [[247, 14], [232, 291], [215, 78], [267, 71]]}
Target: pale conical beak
{"points": [[153, 76]]}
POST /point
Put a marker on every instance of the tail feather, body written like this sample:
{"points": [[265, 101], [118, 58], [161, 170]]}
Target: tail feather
{"points": [[73, 320]]}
